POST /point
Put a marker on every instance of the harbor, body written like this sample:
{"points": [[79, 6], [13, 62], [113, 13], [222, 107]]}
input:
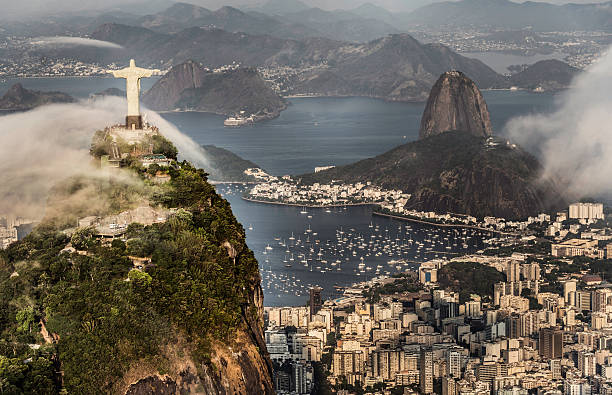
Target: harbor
{"points": [[300, 247]]}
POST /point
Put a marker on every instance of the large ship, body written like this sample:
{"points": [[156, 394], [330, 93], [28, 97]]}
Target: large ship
{"points": [[238, 121]]}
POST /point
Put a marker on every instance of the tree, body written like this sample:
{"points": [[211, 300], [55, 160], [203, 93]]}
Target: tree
{"points": [[82, 238], [140, 278], [25, 319]]}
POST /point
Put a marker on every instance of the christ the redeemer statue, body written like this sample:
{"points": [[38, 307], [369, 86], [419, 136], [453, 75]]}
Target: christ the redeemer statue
{"points": [[133, 75]]}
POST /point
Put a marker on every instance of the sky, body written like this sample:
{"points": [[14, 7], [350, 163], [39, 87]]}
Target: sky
{"points": [[26, 8]]}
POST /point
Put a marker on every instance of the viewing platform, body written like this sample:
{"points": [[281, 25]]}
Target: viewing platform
{"points": [[132, 136]]}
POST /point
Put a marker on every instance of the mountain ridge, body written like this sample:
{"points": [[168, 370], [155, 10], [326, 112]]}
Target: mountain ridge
{"points": [[456, 171], [189, 86], [510, 15], [395, 67], [19, 98], [159, 306]]}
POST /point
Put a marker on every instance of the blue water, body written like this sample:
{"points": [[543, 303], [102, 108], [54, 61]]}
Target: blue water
{"points": [[316, 132], [336, 131], [287, 281]]}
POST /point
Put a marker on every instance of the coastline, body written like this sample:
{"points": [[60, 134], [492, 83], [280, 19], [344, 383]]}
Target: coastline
{"points": [[374, 212], [235, 182], [441, 225], [306, 205]]}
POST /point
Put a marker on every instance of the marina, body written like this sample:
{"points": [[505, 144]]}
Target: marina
{"points": [[301, 247]]}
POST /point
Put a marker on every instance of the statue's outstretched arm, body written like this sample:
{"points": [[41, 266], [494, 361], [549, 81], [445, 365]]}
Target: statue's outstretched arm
{"points": [[118, 73]]}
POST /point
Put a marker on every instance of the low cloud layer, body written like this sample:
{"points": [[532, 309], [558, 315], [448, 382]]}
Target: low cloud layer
{"points": [[575, 141], [65, 41], [46, 145]]}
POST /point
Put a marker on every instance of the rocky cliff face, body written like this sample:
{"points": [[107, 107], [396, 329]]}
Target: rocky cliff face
{"points": [[241, 368], [20, 98], [455, 103], [189, 86]]}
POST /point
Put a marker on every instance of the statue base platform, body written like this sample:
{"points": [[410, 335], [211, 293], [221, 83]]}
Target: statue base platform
{"points": [[133, 122], [131, 136]]}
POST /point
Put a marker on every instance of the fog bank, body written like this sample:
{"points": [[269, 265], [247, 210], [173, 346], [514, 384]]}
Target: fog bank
{"points": [[46, 145], [575, 140]]}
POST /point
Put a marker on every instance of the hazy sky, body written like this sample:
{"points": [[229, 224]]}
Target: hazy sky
{"points": [[30, 7]]}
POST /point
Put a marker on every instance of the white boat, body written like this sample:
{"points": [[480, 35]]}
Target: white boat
{"points": [[236, 122]]}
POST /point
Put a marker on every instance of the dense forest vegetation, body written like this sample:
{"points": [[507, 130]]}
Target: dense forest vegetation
{"points": [[405, 282], [469, 278], [75, 321]]}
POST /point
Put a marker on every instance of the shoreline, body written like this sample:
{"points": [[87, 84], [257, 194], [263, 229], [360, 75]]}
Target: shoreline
{"points": [[305, 205], [442, 225], [374, 212], [234, 182]]}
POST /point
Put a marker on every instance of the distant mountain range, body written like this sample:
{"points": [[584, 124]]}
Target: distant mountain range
{"points": [[189, 86], [395, 67], [293, 22], [348, 21], [18, 98], [505, 14]]}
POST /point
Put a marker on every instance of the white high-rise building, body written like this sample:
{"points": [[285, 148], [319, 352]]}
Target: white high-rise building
{"points": [[453, 363], [586, 211], [586, 363], [569, 287]]}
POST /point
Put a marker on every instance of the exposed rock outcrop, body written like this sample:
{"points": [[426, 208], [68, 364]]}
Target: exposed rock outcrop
{"points": [[455, 103], [189, 86], [455, 166], [19, 98]]}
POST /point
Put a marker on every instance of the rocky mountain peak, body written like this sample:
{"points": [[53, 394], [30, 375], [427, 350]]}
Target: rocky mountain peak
{"points": [[455, 103], [17, 91]]}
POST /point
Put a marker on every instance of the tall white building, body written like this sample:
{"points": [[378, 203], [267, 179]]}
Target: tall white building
{"points": [[586, 363], [426, 371], [586, 211], [453, 363]]}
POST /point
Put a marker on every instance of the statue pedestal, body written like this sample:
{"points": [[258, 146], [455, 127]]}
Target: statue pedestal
{"points": [[133, 122]]}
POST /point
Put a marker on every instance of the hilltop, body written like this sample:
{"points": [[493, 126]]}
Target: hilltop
{"points": [[548, 75], [20, 98], [455, 103], [189, 86], [459, 173], [138, 279], [456, 171]]}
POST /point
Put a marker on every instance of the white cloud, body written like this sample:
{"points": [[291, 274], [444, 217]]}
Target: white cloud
{"points": [[46, 145], [65, 41], [575, 140]]}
